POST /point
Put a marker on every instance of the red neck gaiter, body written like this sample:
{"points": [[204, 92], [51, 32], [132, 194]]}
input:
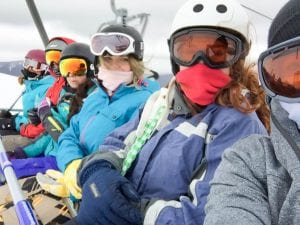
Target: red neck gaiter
{"points": [[201, 83]]}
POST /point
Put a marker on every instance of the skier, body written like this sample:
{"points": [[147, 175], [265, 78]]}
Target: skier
{"points": [[36, 82], [257, 181], [156, 169]]}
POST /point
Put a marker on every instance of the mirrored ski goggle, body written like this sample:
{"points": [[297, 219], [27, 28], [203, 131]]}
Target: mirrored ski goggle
{"points": [[279, 70], [52, 56], [217, 49], [114, 43], [72, 67], [34, 64]]}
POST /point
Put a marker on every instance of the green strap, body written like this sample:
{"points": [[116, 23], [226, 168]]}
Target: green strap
{"points": [[139, 141]]}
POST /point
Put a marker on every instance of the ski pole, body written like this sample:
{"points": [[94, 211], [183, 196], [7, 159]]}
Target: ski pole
{"points": [[15, 102], [23, 208]]}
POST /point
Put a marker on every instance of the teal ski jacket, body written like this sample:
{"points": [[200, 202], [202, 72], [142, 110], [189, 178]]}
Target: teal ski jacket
{"points": [[35, 91], [100, 115]]}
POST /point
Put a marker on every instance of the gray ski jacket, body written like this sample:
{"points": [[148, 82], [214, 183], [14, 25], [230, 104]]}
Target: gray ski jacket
{"points": [[258, 180]]}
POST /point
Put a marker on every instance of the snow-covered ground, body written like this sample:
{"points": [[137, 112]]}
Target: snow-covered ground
{"points": [[10, 90]]}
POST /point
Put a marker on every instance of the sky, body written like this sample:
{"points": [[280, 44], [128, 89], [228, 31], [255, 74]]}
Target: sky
{"points": [[80, 19]]}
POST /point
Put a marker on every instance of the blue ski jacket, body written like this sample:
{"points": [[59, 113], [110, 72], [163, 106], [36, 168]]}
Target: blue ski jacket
{"points": [[99, 115], [166, 172]]}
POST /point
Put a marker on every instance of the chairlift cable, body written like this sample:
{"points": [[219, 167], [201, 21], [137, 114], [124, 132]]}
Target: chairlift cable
{"points": [[257, 12]]}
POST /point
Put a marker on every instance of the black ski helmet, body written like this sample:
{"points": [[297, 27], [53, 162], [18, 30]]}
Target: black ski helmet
{"points": [[132, 32], [82, 51]]}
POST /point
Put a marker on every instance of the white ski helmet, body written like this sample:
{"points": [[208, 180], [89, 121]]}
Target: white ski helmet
{"points": [[228, 14], [221, 14]]}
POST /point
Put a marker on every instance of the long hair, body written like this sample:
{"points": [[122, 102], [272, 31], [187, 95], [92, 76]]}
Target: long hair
{"points": [[80, 94], [244, 93]]}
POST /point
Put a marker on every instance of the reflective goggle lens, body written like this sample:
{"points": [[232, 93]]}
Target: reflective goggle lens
{"points": [[52, 56], [34, 64], [114, 43], [72, 67], [217, 49], [281, 72]]}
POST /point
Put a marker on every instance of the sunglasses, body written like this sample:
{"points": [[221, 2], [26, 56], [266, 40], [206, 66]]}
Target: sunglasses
{"points": [[217, 49], [53, 56], [279, 70], [114, 43], [34, 64], [73, 67]]}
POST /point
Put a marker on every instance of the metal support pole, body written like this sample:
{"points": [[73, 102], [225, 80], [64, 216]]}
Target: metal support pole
{"points": [[23, 208], [37, 20]]}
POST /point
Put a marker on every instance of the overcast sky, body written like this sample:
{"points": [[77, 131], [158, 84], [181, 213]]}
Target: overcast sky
{"points": [[79, 19]]}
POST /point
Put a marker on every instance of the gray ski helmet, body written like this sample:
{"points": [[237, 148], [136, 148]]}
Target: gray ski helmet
{"points": [[82, 51], [58, 43], [132, 32]]}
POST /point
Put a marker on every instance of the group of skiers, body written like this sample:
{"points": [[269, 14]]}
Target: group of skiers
{"points": [[131, 152]]}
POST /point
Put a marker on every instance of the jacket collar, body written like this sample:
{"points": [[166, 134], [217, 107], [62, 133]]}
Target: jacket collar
{"points": [[286, 154]]}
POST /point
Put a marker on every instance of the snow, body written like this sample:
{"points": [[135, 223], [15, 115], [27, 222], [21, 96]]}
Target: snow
{"points": [[10, 90]]}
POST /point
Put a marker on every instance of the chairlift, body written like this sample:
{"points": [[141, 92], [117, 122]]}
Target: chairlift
{"points": [[121, 17]]}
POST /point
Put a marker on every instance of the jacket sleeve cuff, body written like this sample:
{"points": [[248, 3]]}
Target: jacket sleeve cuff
{"points": [[93, 162]]}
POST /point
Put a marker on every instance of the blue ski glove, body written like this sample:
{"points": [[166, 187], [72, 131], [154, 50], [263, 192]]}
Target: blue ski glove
{"points": [[108, 198]]}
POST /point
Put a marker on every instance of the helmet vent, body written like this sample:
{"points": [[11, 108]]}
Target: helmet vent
{"points": [[198, 8], [221, 8]]}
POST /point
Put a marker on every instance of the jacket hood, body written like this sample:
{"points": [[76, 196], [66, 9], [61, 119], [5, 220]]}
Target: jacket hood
{"points": [[286, 154]]}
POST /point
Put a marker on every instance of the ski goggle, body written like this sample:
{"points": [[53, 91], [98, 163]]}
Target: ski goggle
{"points": [[52, 56], [217, 49], [34, 64], [279, 70], [72, 67], [114, 43]]}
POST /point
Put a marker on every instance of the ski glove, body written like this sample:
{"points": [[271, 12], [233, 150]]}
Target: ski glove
{"points": [[7, 124], [33, 116], [108, 198], [44, 109], [17, 153], [53, 182], [59, 184], [5, 114]]}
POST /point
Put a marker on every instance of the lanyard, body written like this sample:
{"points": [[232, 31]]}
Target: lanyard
{"points": [[139, 141]]}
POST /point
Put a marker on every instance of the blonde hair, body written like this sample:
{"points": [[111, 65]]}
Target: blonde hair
{"points": [[21, 79]]}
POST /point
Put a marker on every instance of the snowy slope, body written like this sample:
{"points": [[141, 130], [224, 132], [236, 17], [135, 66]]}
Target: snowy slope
{"points": [[10, 90]]}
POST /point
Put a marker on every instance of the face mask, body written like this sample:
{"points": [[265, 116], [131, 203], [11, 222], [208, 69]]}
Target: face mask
{"points": [[54, 68], [29, 75], [112, 79], [294, 111], [201, 83]]}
